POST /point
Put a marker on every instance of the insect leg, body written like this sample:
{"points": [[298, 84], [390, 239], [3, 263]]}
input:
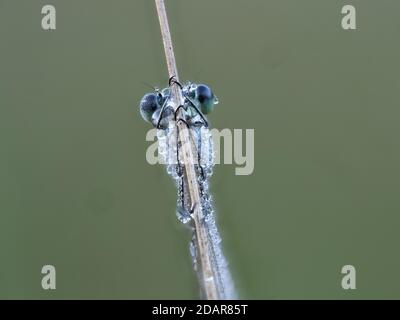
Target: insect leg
{"points": [[176, 112], [198, 111], [173, 80]]}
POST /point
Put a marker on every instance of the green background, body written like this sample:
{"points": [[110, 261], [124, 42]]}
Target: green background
{"points": [[75, 188]]}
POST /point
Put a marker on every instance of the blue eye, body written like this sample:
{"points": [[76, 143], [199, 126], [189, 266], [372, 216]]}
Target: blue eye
{"points": [[205, 98], [148, 105], [203, 93]]}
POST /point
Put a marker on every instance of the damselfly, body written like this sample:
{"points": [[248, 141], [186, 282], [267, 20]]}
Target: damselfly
{"points": [[197, 100], [156, 107]]}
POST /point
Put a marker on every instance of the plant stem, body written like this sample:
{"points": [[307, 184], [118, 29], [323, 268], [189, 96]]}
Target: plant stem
{"points": [[208, 283]]}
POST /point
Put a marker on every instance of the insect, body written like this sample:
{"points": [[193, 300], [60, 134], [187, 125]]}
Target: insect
{"points": [[156, 108]]}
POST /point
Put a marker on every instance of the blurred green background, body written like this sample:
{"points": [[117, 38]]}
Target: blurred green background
{"points": [[75, 188]]}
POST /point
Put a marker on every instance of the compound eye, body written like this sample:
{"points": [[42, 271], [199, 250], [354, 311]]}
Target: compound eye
{"points": [[148, 105], [203, 93]]}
